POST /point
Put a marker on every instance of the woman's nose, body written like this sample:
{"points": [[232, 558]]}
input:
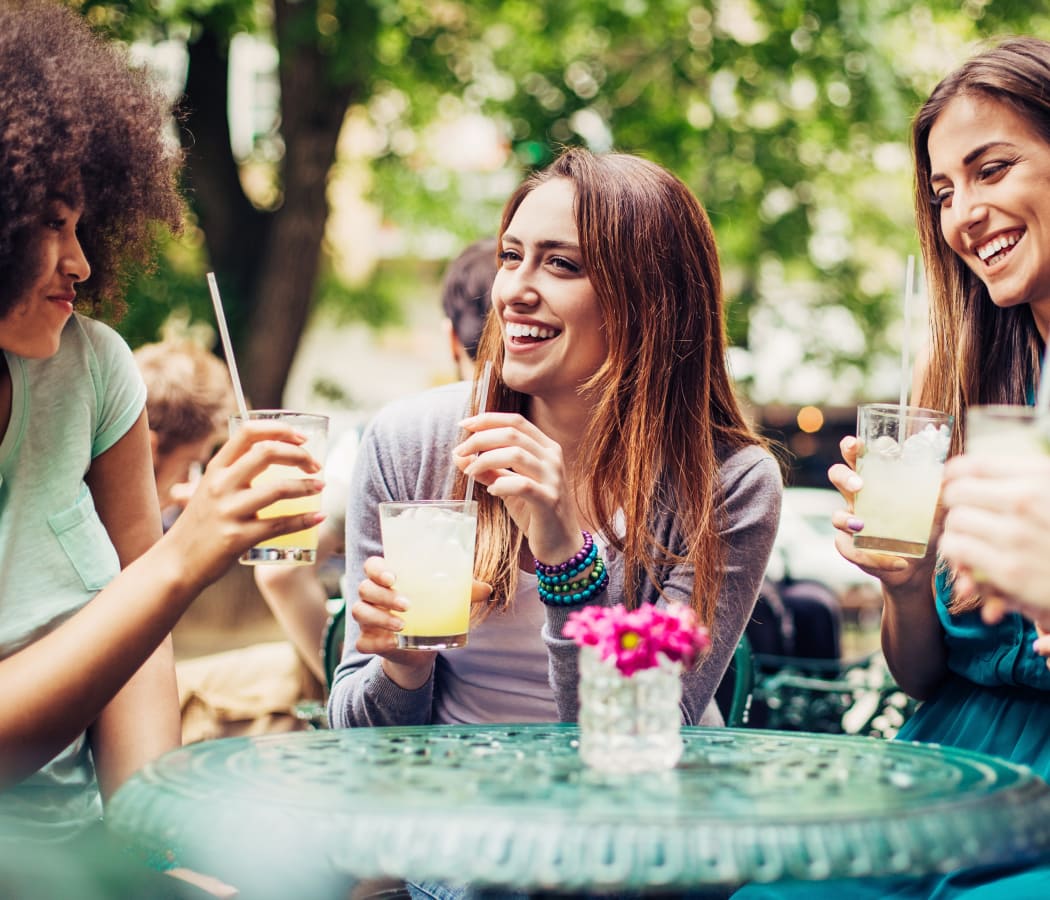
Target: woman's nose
{"points": [[74, 263], [515, 287], [970, 209]]}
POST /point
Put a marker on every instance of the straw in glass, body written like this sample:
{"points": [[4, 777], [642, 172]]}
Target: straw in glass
{"points": [[481, 396], [909, 280], [227, 346]]}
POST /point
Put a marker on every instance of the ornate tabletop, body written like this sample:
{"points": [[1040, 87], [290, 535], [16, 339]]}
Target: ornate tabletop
{"points": [[513, 805]]}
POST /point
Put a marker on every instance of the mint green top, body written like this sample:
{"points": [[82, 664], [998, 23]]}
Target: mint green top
{"points": [[55, 553]]}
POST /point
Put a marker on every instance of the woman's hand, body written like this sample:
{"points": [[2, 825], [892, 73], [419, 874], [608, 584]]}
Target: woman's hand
{"points": [[220, 521], [524, 468], [893, 571], [375, 613], [997, 533]]}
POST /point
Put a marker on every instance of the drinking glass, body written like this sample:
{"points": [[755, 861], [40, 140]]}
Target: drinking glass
{"points": [[901, 459], [1002, 430], [429, 546], [300, 547]]}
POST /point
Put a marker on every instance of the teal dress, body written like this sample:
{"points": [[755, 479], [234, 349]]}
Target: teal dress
{"points": [[996, 700]]}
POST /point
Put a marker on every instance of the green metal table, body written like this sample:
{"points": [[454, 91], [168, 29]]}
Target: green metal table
{"points": [[512, 805]]}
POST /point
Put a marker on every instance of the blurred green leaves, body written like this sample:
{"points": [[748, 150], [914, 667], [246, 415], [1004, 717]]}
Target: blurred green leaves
{"points": [[789, 119]]}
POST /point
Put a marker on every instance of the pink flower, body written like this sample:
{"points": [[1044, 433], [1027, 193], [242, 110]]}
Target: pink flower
{"points": [[635, 638]]}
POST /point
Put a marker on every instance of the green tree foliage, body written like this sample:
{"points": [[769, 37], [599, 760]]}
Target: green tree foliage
{"points": [[789, 119]]}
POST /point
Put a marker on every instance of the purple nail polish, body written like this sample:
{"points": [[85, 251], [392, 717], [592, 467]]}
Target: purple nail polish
{"points": [[854, 524]]}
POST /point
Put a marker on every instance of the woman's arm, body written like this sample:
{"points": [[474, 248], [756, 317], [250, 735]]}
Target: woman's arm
{"points": [[752, 488], [142, 721], [752, 496], [56, 687], [299, 601], [912, 637]]}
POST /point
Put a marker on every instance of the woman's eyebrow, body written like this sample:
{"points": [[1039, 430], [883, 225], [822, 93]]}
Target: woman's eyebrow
{"points": [[976, 153]]}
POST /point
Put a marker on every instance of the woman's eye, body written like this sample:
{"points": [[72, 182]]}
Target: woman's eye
{"points": [[941, 199], [507, 256], [991, 170], [559, 262]]}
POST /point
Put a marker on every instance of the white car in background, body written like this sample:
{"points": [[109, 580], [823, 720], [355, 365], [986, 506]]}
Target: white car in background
{"points": [[804, 549]]}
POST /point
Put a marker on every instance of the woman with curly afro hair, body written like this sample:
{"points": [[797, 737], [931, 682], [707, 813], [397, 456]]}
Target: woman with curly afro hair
{"points": [[89, 590]]}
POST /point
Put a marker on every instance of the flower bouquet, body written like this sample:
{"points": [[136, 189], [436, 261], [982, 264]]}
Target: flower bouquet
{"points": [[630, 682]]}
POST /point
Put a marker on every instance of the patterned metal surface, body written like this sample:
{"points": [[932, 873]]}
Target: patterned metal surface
{"points": [[513, 805]]}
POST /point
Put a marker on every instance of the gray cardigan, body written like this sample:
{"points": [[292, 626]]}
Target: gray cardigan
{"points": [[406, 454]]}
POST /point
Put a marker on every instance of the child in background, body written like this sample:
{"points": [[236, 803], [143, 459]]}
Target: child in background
{"points": [[189, 399]]}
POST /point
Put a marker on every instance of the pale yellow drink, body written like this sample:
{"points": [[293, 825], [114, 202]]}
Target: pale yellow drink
{"points": [[1001, 430], [429, 546], [306, 539], [298, 548], [901, 462]]}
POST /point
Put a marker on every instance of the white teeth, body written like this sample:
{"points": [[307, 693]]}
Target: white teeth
{"points": [[515, 329], [986, 251]]}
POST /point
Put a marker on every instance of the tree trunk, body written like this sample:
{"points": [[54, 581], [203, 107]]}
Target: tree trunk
{"points": [[267, 262], [234, 229], [312, 110]]}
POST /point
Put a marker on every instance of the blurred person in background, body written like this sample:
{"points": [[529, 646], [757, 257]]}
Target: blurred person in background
{"points": [[466, 302], [189, 399]]}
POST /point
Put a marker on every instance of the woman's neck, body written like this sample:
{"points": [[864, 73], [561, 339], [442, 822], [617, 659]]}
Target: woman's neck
{"points": [[562, 421]]}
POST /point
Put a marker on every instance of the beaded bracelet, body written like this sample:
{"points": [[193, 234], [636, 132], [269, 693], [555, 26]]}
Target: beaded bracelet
{"points": [[569, 574], [561, 584], [575, 592], [575, 562]]}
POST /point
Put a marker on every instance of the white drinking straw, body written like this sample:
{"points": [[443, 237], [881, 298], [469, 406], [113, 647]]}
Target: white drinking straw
{"points": [[481, 396], [227, 346], [909, 280]]}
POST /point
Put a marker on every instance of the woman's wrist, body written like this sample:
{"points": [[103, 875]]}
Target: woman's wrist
{"points": [[410, 676]]}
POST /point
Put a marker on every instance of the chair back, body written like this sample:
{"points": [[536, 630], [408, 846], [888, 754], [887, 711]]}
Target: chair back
{"points": [[734, 693], [332, 643]]}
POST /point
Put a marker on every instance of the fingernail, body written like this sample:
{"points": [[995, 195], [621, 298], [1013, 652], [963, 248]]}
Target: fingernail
{"points": [[854, 483], [387, 579], [854, 524], [849, 443], [403, 603], [899, 564]]}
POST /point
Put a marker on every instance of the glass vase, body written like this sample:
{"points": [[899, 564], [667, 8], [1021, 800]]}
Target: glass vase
{"points": [[629, 723]]}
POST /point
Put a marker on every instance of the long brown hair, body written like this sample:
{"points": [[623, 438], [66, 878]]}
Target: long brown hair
{"points": [[664, 406], [979, 352]]}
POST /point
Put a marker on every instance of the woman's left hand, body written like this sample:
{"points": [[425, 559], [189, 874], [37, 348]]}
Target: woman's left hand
{"points": [[524, 468]]}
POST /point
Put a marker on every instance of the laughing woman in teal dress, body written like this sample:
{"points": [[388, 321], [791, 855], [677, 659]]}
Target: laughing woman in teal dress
{"points": [[982, 150]]}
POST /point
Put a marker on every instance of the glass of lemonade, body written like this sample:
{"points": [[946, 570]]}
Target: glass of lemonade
{"points": [[300, 547], [901, 459], [429, 546], [1002, 430]]}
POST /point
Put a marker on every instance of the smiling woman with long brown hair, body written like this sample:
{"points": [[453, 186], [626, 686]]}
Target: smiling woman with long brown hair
{"points": [[611, 420]]}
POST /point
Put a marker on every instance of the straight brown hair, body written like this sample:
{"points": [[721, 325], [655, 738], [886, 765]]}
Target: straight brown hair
{"points": [[664, 408]]}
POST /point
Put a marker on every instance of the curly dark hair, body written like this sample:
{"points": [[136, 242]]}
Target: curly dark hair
{"points": [[76, 119]]}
